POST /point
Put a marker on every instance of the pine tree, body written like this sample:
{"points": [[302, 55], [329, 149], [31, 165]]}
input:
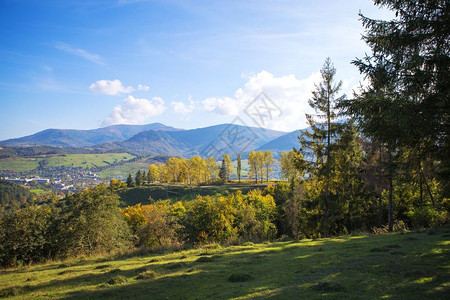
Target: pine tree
{"points": [[130, 181], [223, 172], [319, 142], [144, 177], [411, 103], [239, 167], [139, 178]]}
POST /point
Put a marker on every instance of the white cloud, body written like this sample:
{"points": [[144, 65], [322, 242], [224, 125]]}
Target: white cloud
{"points": [[110, 87], [143, 87], [135, 111], [183, 108], [95, 58], [288, 93], [223, 106]]}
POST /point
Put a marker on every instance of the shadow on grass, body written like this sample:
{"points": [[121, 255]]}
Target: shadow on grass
{"points": [[411, 266]]}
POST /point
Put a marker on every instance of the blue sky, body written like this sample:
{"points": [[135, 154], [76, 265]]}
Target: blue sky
{"points": [[87, 64]]}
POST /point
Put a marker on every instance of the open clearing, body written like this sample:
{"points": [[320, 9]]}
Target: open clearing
{"points": [[414, 265], [176, 193]]}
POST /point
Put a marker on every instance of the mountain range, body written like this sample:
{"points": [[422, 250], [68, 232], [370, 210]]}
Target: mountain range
{"points": [[159, 139]]}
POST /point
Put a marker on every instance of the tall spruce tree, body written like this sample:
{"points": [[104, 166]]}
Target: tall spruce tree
{"points": [[318, 143], [139, 178], [407, 104], [413, 52], [130, 181], [223, 171]]}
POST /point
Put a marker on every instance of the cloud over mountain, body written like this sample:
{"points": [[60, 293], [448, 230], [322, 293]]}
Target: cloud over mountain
{"points": [[288, 93], [135, 111]]}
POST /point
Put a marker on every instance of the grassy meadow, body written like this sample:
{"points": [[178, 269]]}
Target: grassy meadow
{"points": [[412, 265], [23, 164], [176, 193]]}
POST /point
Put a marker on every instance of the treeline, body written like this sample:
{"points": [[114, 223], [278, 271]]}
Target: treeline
{"points": [[382, 154], [198, 170]]}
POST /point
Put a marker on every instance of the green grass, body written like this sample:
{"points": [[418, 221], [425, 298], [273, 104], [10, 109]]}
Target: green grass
{"points": [[121, 172], [179, 192], [22, 164], [19, 164], [39, 191], [87, 160], [414, 265]]}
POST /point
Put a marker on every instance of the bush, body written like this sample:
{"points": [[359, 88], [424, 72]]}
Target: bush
{"points": [[91, 223], [25, 236], [428, 216]]}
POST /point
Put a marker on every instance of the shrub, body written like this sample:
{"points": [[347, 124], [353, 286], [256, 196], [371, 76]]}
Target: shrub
{"points": [[25, 236], [428, 216], [91, 223]]}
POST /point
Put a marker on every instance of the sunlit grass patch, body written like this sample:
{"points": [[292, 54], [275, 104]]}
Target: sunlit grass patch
{"points": [[309, 269]]}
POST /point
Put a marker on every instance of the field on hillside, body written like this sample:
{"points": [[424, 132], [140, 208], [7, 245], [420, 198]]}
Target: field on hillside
{"points": [[121, 172], [22, 164], [88, 160], [180, 192], [414, 265]]}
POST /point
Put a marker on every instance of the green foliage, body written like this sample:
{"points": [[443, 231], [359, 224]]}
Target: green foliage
{"points": [[91, 223], [13, 194], [226, 219], [224, 172], [25, 235], [428, 216], [130, 181], [139, 179]]}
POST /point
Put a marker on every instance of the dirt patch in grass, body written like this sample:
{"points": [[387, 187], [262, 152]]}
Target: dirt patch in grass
{"points": [[146, 275], [116, 280]]}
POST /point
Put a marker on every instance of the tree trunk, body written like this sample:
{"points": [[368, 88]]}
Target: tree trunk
{"points": [[380, 192], [390, 193]]}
